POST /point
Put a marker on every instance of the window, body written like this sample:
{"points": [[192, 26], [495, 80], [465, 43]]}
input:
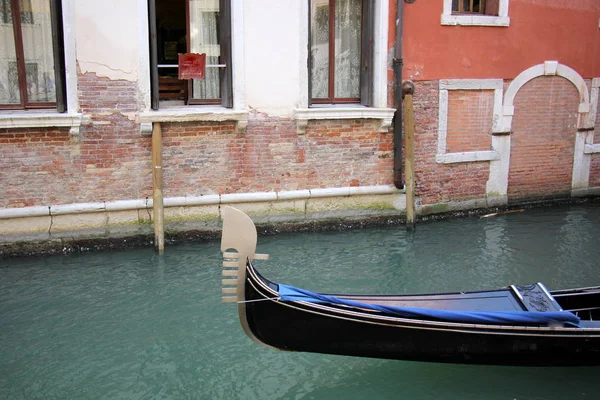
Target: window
{"points": [[486, 7], [194, 26], [340, 51], [31, 55], [476, 12]]}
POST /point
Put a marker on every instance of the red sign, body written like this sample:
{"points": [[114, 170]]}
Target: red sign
{"points": [[192, 66]]}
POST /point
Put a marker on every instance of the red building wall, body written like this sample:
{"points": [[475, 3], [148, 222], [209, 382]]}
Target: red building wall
{"points": [[563, 30]]}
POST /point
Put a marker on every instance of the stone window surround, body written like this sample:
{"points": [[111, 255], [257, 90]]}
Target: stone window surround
{"points": [[379, 111], [502, 19], [41, 118], [237, 113], [465, 84]]}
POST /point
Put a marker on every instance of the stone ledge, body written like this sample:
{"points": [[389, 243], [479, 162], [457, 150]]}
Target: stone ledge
{"points": [[303, 115], [193, 113], [41, 119]]}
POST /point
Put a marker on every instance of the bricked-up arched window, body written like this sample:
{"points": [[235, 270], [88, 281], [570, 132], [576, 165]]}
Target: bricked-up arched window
{"points": [[32, 62], [191, 26], [340, 51]]}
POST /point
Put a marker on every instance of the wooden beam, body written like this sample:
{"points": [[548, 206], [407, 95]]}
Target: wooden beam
{"points": [[157, 188], [409, 149]]}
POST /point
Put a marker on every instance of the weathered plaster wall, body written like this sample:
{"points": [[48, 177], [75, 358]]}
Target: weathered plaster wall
{"points": [[272, 34], [107, 40]]}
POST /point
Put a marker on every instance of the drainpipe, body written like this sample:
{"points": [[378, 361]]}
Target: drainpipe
{"points": [[397, 66]]}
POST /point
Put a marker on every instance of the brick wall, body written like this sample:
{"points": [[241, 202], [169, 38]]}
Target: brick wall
{"points": [[34, 163], [111, 160], [435, 182], [470, 116], [207, 158], [544, 128]]}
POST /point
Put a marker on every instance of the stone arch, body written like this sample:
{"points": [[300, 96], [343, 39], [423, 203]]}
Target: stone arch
{"points": [[548, 68], [497, 185]]}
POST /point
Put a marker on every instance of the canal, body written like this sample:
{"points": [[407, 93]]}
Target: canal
{"points": [[133, 325]]}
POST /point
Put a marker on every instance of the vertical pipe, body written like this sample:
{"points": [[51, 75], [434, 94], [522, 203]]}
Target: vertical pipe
{"points": [[409, 149], [397, 66], [157, 188]]}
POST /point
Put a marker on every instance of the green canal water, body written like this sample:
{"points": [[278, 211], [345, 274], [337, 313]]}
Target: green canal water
{"points": [[133, 325]]}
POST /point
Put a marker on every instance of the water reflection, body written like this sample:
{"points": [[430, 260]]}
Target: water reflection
{"points": [[133, 325]]}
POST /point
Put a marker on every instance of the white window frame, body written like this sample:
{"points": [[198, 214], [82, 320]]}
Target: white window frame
{"points": [[502, 19]]}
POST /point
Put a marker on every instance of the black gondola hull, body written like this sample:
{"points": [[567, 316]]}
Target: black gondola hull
{"points": [[299, 326]]}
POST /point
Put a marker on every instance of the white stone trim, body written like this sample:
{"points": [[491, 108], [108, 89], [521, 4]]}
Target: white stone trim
{"points": [[143, 83], [467, 156], [215, 199], [464, 84], [40, 119], [591, 148], [594, 99], [193, 113], [502, 19], [237, 55], [303, 115], [380, 52]]}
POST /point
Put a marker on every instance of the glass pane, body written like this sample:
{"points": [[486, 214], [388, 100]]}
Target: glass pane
{"points": [[320, 48], [38, 51], [454, 5], [204, 38], [347, 48], [9, 74]]}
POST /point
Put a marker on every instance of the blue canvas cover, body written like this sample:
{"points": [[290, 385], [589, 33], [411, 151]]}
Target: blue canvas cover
{"points": [[531, 318]]}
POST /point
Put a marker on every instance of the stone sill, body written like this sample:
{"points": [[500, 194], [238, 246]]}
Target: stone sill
{"points": [[469, 156], [193, 113], [303, 115], [41, 119], [475, 20]]}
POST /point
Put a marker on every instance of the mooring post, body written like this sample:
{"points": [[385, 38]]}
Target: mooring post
{"points": [[408, 89], [157, 187]]}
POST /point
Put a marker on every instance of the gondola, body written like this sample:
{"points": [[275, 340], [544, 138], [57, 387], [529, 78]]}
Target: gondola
{"points": [[517, 325]]}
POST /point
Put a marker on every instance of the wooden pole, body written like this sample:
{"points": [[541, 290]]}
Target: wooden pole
{"points": [[157, 187], [408, 89]]}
